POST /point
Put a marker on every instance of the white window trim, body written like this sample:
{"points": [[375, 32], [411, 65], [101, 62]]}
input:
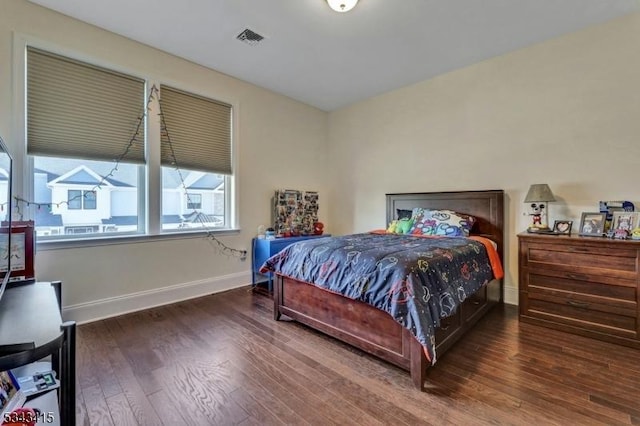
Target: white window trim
{"points": [[149, 191]]}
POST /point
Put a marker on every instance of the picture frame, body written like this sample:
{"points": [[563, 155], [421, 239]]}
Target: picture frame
{"points": [[624, 220], [592, 224], [22, 250], [562, 227]]}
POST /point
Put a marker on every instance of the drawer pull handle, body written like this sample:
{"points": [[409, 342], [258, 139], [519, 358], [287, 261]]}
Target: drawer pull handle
{"points": [[577, 304], [445, 327], [579, 249], [577, 277]]}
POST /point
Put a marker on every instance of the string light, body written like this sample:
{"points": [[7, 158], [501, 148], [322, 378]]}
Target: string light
{"points": [[154, 93]]}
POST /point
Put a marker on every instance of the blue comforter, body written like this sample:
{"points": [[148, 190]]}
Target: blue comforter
{"points": [[417, 280]]}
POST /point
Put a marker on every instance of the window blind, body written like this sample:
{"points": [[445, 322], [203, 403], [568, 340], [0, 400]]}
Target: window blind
{"points": [[199, 130], [77, 110]]}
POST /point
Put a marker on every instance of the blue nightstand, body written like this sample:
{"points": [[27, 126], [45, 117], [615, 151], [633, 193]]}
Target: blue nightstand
{"points": [[263, 249]]}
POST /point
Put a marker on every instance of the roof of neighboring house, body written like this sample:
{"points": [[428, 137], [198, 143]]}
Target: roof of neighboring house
{"points": [[126, 175], [207, 181], [171, 218], [84, 177], [192, 180], [121, 220], [45, 218], [197, 217], [50, 176], [133, 220]]}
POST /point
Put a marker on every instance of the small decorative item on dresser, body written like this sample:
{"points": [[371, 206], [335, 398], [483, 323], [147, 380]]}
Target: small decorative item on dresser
{"points": [[620, 234], [562, 227], [539, 195], [592, 224]]}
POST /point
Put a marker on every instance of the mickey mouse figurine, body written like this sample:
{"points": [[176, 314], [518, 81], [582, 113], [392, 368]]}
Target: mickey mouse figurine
{"points": [[537, 210]]}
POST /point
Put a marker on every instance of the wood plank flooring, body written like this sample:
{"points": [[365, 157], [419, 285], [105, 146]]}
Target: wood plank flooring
{"points": [[223, 360]]}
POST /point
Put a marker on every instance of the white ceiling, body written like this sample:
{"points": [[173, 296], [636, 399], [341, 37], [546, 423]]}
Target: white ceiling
{"points": [[328, 59]]}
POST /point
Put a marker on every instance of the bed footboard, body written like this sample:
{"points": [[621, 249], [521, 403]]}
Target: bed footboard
{"points": [[372, 330], [351, 321]]}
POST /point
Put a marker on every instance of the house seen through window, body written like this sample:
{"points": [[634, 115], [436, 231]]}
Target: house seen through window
{"points": [[200, 202], [82, 199]]}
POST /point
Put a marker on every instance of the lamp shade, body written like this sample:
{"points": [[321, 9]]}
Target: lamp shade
{"points": [[539, 192], [342, 5]]}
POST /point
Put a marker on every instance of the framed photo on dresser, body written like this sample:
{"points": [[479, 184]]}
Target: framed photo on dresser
{"points": [[592, 224], [562, 227], [623, 220]]}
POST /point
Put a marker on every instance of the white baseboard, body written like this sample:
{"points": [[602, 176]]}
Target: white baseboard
{"points": [[510, 295], [113, 306], [119, 305]]}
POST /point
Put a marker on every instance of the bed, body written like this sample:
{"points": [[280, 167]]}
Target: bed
{"points": [[376, 331]]}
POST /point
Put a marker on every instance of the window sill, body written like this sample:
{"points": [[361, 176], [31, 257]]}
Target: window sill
{"points": [[127, 239]]}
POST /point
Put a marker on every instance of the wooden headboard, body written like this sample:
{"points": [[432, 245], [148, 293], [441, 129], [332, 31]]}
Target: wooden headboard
{"points": [[486, 206]]}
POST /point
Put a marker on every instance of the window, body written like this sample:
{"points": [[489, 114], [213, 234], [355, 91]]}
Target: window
{"points": [[73, 230], [81, 200], [74, 201], [196, 160], [194, 201], [87, 143], [79, 119], [89, 200], [207, 208]]}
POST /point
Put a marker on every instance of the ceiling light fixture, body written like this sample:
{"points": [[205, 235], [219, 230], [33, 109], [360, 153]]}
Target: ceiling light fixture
{"points": [[342, 5]]}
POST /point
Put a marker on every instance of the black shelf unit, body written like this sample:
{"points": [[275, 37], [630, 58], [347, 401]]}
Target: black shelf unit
{"points": [[31, 328]]}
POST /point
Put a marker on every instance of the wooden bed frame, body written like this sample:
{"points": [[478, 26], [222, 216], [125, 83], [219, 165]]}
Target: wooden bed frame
{"points": [[376, 332]]}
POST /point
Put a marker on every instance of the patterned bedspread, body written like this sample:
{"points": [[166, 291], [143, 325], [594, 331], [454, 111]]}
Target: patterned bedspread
{"points": [[417, 280]]}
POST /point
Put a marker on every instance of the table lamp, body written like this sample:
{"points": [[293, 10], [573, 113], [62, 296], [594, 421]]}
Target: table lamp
{"points": [[539, 194]]}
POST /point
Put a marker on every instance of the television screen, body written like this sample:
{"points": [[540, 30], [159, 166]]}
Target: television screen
{"points": [[5, 216]]}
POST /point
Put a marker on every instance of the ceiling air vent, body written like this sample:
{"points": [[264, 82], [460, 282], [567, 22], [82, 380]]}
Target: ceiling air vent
{"points": [[249, 37]]}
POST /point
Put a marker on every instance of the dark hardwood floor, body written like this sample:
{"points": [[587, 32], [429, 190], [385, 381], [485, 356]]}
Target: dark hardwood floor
{"points": [[222, 359]]}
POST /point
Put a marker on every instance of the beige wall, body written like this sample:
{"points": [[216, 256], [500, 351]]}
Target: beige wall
{"points": [[281, 144], [565, 112]]}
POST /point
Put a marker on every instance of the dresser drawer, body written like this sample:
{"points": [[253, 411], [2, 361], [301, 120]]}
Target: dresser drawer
{"points": [[587, 316], [583, 261], [616, 293]]}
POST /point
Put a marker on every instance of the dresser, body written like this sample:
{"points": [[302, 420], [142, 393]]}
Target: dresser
{"points": [[583, 285], [262, 249]]}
